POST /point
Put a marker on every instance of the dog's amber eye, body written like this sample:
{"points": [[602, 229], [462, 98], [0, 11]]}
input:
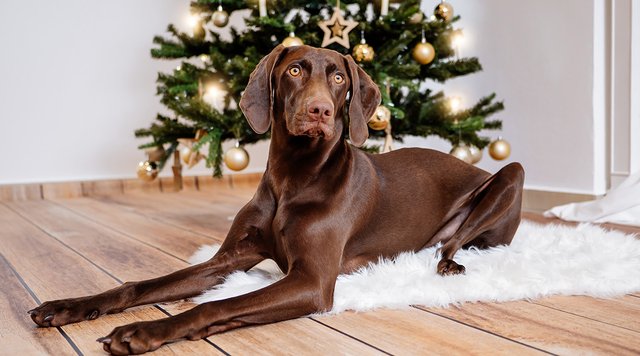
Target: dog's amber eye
{"points": [[294, 71], [338, 78]]}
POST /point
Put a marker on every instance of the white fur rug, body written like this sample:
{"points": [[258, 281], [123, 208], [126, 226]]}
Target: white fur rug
{"points": [[541, 261]]}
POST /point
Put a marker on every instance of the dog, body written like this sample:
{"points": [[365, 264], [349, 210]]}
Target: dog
{"points": [[322, 208]]}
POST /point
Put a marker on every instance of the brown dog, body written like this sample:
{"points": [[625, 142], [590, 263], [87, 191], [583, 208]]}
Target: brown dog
{"points": [[322, 208]]}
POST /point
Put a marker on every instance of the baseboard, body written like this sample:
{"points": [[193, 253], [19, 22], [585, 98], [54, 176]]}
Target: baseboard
{"points": [[533, 200], [540, 200], [62, 190]]}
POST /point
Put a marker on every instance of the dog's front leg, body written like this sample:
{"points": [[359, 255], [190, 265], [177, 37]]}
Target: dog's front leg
{"points": [[298, 294], [242, 249]]}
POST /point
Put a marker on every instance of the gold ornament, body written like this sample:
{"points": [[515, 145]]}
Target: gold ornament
{"points": [[416, 18], [380, 119], [462, 153], [190, 156], [336, 29], [362, 52], [476, 154], [444, 11], [292, 41], [423, 52], [220, 17], [499, 149], [147, 171], [236, 158]]}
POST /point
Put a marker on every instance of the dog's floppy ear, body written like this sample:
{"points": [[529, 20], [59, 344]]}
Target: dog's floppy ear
{"points": [[257, 100], [365, 99]]}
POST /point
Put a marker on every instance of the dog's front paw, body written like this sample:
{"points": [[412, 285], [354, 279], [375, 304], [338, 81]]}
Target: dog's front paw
{"points": [[136, 338], [449, 268], [65, 311]]}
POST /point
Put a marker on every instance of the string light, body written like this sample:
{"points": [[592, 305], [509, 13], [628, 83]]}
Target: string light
{"points": [[454, 104], [457, 39], [214, 95], [193, 20]]}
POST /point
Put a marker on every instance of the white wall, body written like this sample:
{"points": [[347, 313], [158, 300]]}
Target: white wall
{"points": [[538, 57], [76, 79]]}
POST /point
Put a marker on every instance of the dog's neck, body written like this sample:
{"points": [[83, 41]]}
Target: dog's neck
{"points": [[304, 156]]}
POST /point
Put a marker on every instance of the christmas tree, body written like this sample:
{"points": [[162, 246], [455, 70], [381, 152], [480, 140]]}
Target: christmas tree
{"points": [[401, 48]]}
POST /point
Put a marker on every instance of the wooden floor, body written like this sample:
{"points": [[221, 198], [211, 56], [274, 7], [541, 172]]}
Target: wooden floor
{"points": [[52, 249]]}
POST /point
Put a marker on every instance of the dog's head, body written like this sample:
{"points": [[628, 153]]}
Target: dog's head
{"points": [[309, 86]]}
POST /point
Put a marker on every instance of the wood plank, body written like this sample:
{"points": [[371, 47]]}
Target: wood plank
{"points": [[168, 238], [623, 311], [19, 192], [211, 220], [123, 257], [397, 331], [53, 271], [102, 187], [17, 333], [137, 185], [292, 337], [545, 328], [61, 190], [113, 251]]}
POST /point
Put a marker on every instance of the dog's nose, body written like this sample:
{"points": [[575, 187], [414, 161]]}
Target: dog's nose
{"points": [[320, 110]]}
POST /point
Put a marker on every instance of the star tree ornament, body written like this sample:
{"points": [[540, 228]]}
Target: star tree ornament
{"points": [[336, 29]]}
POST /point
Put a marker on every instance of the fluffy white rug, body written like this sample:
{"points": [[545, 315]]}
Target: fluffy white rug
{"points": [[541, 261]]}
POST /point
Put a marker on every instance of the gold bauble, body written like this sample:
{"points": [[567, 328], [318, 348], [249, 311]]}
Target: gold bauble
{"points": [[380, 118], [220, 17], [292, 41], [190, 157], [462, 153], [185, 154], [416, 18], [147, 171], [236, 158], [444, 11], [499, 149], [476, 154], [363, 52], [423, 53]]}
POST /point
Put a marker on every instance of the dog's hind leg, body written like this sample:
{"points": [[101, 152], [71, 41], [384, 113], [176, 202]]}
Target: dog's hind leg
{"points": [[242, 249], [489, 217]]}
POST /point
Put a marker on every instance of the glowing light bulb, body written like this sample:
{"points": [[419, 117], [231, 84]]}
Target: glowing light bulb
{"points": [[457, 39], [454, 103], [214, 96], [193, 20]]}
